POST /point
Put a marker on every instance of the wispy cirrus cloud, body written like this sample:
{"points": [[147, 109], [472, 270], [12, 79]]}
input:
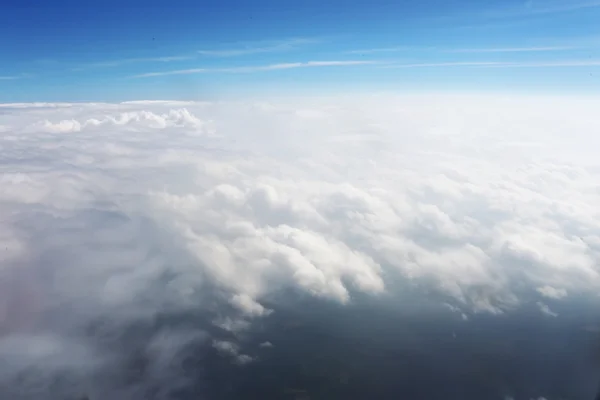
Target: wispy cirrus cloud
{"points": [[532, 49], [258, 47], [500, 64], [506, 14], [125, 61], [15, 77], [525, 49], [249, 48], [551, 64], [382, 50], [444, 64], [548, 7], [516, 10], [259, 68]]}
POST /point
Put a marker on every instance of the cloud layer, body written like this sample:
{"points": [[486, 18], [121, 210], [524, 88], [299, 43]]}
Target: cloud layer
{"points": [[119, 216]]}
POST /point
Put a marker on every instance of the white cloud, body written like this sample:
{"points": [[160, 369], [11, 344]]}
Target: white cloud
{"points": [[546, 310], [529, 8], [248, 306], [174, 118], [259, 47], [512, 49], [125, 61], [532, 49], [556, 6], [305, 230], [226, 347], [552, 293], [383, 50], [553, 64], [231, 349], [260, 68], [127, 211], [254, 48], [499, 64], [445, 64]]}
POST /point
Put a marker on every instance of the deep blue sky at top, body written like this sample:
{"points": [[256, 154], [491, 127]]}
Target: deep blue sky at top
{"points": [[120, 50]]}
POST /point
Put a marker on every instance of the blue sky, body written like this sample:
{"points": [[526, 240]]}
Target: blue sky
{"points": [[110, 50]]}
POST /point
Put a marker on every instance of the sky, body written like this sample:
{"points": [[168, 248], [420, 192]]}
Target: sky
{"points": [[113, 51], [299, 200]]}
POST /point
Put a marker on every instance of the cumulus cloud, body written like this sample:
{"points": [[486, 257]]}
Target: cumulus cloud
{"points": [[232, 350], [174, 118], [552, 293], [546, 310], [122, 217], [248, 306]]}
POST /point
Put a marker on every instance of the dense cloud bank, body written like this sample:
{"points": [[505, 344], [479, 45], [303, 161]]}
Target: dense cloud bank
{"points": [[437, 246]]}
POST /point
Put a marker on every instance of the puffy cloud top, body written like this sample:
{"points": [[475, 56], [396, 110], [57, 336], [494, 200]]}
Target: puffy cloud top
{"points": [[134, 209]]}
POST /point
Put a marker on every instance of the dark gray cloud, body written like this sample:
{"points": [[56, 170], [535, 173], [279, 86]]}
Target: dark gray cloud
{"points": [[415, 247]]}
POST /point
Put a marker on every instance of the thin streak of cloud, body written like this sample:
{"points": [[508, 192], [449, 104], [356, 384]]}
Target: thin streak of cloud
{"points": [[445, 64], [270, 67], [554, 7], [15, 77], [382, 50], [176, 72], [117, 63], [307, 64], [550, 64], [511, 49], [499, 64], [532, 8], [464, 50], [257, 49], [240, 52], [250, 48], [504, 16]]}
